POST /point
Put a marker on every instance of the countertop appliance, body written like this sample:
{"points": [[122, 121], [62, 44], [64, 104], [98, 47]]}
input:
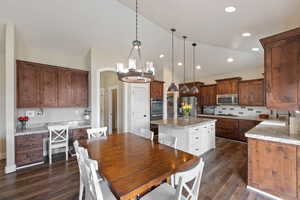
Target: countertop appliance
{"points": [[156, 109], [188, 100], [227, 99]]}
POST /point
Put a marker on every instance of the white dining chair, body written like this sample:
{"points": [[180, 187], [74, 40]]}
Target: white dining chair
{"points": [[97, 132], [168, 140], [183, 191], [145, 133], [94, 190], [58, 138]]}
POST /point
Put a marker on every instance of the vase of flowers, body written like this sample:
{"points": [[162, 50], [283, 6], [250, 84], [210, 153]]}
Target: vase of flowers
{"points": [[186, 109], [23, 120]]}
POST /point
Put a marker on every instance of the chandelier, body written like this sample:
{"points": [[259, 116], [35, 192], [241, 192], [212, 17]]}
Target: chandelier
{"points": [[136, 71]]}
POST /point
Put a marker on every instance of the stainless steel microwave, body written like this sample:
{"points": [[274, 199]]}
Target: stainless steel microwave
{"points": [[227, 99]]}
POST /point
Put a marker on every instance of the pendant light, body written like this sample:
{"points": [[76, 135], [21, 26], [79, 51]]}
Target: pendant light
{"points": [[173, 87], [194, 89], [136, 72], [184, 89]]}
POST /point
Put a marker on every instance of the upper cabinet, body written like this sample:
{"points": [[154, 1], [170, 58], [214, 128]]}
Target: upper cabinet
{"points": [[208, 95], [157, 90], [251, 93], [228, 86], [282, 70], [45, 86]]}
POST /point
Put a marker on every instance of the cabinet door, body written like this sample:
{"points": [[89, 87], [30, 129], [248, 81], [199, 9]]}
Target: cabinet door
{"points": [[65, 88], [156, 90], [79, 134], [48, 87], [244, 127], [282, 65], [80, 88], [256, 93], [244, 93], [227, 128], [27, 85], [212, 95], [272, 168]]}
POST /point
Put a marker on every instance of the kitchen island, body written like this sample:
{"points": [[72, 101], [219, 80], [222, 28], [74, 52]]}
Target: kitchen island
{"points": [[274, 161], [195, 136]]}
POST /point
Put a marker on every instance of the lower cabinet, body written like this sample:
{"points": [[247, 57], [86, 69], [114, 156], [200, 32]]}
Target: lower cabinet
{"points": [[29, 148], [273, 168]]}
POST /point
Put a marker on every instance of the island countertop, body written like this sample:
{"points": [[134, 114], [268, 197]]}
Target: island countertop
{"points": [[180, 122]]}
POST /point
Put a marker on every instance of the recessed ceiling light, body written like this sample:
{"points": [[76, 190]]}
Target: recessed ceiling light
{"points": [[230, 9], [198, 67], [255, 49], [179, 64], [161, 55], [230, 60], [246, 34]]}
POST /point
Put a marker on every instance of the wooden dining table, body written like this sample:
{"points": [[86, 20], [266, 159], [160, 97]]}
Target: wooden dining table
{"points": [[132, 164]]}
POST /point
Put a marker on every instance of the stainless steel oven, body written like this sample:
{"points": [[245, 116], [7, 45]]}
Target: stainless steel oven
{"points": [[227, 99], [156, 109]]}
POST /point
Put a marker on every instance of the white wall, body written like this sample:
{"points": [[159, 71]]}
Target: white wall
{"points": [[2, 93]]}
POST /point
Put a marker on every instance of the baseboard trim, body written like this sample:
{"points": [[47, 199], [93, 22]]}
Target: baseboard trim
{"points": [[31, 165], [263, 193], [10, 169]]}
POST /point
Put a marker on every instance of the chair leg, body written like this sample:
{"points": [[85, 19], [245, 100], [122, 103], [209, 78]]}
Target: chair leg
{"points": [[81, 190], [50, 156], [67, 153]]}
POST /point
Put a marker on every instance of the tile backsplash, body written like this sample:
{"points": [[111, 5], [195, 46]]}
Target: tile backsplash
{"points": [[47, 115], [237, 110]]}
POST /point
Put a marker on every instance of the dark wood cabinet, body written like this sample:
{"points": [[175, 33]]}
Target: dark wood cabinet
{"points": [[28, 85], [29, 149], [79, 134], [40, 85], [157, 90], [48, 87], [208, 95], [65, 98], [79, 88], [252, 93], [272, 168], [228, 86], [244, 127], [282, 70]]}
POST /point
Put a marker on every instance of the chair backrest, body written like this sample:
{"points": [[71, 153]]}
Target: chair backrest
{"points": [[97, 132], [58, 134], [190, 193], [145, 133], [168, 140], [89, 175]]}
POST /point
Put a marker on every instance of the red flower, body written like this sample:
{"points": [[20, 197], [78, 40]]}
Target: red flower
{"points": [[23, 118]]}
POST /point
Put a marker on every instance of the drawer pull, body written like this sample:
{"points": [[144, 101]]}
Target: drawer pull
{"points": [[197, 138], [196, 149]]}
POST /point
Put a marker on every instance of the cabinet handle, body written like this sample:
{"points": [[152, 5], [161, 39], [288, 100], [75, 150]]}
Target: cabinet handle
{"points": [[196, 149], [196, 129], [197, 138]]}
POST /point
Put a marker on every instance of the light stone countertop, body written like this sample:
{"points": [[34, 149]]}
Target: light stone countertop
{"points": [[234, 117], [44, 128], [274, 133], [180, 122]]}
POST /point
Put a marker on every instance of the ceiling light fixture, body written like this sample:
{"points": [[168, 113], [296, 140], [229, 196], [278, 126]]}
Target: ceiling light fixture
{"points": [[161, 56], [184, 89], [255, 49], [230, 60], [136, 72], [198, 67], [230, 9], [246, 34], [194, 89], [179, 64], [173, 88]]}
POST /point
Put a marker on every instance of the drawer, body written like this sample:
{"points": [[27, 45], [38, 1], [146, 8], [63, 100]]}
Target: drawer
{"points": [[29, 142], [197, 129], [29, 157], [195, 138], [196, 151]]}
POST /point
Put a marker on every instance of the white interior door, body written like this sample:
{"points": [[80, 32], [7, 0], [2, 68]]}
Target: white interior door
{"points": [[102, 102], [140, 107]]}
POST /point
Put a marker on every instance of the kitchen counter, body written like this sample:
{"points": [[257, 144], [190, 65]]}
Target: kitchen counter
{"points": [[234, 117], [44, 128], [274, 133], [180, 122]]}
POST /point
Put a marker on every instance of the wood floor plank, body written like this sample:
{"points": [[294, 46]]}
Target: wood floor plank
{"points": [[224, 178]]}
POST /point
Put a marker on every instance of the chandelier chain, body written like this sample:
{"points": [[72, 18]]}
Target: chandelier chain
{"points": [[136, 20]]}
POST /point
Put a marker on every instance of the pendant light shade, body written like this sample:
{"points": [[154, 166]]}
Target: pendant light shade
{"points": [[184, 89], [173, 88], [136, 71], [194, 89]]}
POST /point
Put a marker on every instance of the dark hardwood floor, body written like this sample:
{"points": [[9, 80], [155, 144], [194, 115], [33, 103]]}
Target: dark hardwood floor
{"points": [[224, 178]]}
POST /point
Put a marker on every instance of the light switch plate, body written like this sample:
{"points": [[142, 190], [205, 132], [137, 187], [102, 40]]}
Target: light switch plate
{"points": [[30, 113]]}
